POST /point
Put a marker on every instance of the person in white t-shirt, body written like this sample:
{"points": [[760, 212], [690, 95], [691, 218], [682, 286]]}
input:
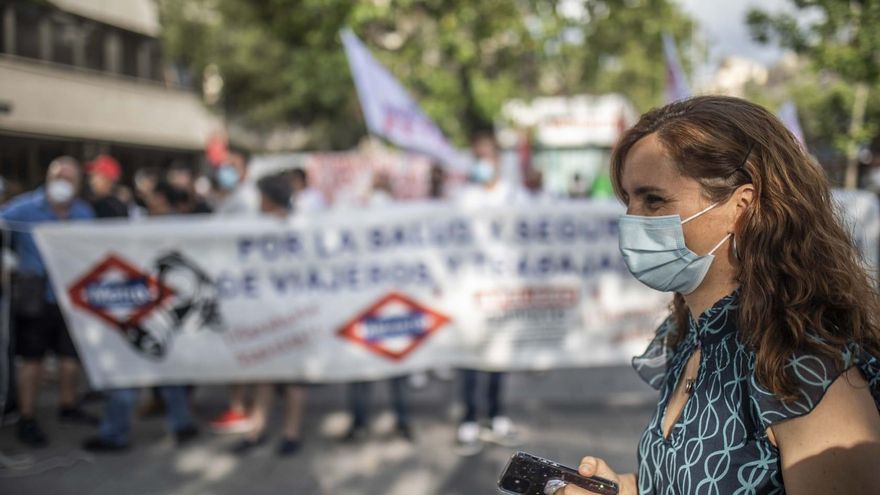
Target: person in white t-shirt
{"points": [[488, 185], [237, 194], [360, 392], [306, 199], [488, 189], [275, 195]]}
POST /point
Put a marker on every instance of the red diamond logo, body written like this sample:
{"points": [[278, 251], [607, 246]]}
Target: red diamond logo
{"points": [[393, 326], [118, 292]]}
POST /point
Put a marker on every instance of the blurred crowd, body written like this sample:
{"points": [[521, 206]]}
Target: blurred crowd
{"points": [[72, 191]]}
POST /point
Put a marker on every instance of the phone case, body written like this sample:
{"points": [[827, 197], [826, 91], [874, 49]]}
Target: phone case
{"points": [[527, 474]]}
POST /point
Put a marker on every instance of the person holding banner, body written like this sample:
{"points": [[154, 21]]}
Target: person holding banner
{"points": [[275, 195], [360, 393], [488, 189], [114, 434], [39, 325], [768, 366]]}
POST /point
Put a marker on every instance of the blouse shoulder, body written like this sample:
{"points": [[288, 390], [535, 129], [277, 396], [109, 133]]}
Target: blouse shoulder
{"points": [[653, 363], [813, 375]]}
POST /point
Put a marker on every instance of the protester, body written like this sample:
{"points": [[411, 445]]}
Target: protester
{"points": [[104, 172], [360, 393], [238, 197], [39, 325], [489, 189], [577, 188], [145, 180], [305, 197], [180, 175], [236, 194], [275, 193], [769, 364], [114, 434], [436, 181]]}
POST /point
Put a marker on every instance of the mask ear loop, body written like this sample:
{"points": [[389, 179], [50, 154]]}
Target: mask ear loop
{"points": [[695, 215], [728, 236]]}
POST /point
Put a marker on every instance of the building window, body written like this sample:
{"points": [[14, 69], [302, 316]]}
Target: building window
{"points": [[27, 30], [130, 43], [94, 45], [4, 29], [65, 38], [155, 70]]}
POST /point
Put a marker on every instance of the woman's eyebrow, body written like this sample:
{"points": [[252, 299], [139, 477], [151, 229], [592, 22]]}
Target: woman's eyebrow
{"points": [[643, 190]]}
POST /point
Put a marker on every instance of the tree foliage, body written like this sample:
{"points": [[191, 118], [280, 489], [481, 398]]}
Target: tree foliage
{"points": [[841, 42], [281, 61]]}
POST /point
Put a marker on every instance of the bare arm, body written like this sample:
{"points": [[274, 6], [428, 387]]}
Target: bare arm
{"points": [[836, 447]]}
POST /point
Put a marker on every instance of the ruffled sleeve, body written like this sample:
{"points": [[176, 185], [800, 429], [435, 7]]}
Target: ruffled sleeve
{"points": [[813, 375], [654, 362]]}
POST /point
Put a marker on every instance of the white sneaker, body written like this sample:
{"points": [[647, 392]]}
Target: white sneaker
{"points": [[504, 433], [467, 441]]}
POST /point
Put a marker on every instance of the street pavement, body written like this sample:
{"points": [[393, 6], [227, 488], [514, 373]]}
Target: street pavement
{"points": [[564, 414]]}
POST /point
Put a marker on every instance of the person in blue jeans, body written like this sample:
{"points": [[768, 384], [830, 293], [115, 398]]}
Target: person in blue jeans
{"points": [[114, 433], [360, 395], [38, 322]]}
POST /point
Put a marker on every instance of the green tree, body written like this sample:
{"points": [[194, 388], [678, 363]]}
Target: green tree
{"points": [[840, 40], [281, 61]]}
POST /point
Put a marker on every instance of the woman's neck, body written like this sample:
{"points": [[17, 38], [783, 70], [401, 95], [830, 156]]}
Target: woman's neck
{"points": [[719, 282]]}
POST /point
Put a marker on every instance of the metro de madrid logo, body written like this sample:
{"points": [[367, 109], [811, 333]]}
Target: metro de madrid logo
{"points": [[149, 308], [394, 326]]}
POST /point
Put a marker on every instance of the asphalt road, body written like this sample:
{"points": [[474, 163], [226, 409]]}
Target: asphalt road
{"points": [[564, 415]]}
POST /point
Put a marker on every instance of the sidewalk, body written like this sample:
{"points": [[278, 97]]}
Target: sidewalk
{"points": [[565, 414]]}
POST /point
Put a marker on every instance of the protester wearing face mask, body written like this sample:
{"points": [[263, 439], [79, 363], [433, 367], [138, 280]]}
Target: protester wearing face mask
{"points": [[768, 366], [236, 194], [39, 326], [481, 392], [488, 187]]}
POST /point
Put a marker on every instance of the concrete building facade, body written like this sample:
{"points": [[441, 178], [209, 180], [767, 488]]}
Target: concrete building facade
{"points": [[83, 77]]}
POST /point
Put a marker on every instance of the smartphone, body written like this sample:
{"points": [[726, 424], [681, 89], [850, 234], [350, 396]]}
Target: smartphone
{"points": [[527, 474]]}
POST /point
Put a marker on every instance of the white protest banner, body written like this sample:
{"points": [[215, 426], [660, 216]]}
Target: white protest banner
{"points": [[350, 294], [861, 216], [389, 110], [355, 294]]}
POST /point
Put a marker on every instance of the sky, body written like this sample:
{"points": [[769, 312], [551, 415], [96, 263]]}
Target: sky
{"points": [[723, 25]]}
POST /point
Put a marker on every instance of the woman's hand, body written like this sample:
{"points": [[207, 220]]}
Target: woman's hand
{"points": [[593, 466]]}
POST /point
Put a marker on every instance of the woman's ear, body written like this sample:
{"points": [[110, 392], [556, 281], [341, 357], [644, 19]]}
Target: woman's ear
{"points": [[743, 198]]}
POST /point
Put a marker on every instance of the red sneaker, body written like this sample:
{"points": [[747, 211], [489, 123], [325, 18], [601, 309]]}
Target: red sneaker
{"points": [[231, 422]]}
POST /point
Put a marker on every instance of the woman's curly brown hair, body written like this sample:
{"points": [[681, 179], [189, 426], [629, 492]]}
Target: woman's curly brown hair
{"points": [[803, 284]]}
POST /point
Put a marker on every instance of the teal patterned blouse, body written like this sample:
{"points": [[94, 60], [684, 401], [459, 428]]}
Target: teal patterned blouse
{"points": [[719, 445]]}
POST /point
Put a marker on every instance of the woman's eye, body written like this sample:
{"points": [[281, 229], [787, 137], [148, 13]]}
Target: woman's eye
{"points": [[653, 201]]}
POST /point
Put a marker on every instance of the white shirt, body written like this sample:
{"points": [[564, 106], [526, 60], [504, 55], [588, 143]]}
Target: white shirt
{"points": [[243, 200], [502, 193], [309, 200]]}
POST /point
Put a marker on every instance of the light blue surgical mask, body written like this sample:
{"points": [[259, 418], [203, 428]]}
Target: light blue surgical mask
{"points": [[654, 250], [482, 172], [227, 177]]}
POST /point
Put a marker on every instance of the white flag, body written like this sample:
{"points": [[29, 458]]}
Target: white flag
{"points": [[676, 83], [389, 111], [789, 116]]}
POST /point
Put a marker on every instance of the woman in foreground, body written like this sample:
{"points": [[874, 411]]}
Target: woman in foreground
{"points": [[768, 366]]}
